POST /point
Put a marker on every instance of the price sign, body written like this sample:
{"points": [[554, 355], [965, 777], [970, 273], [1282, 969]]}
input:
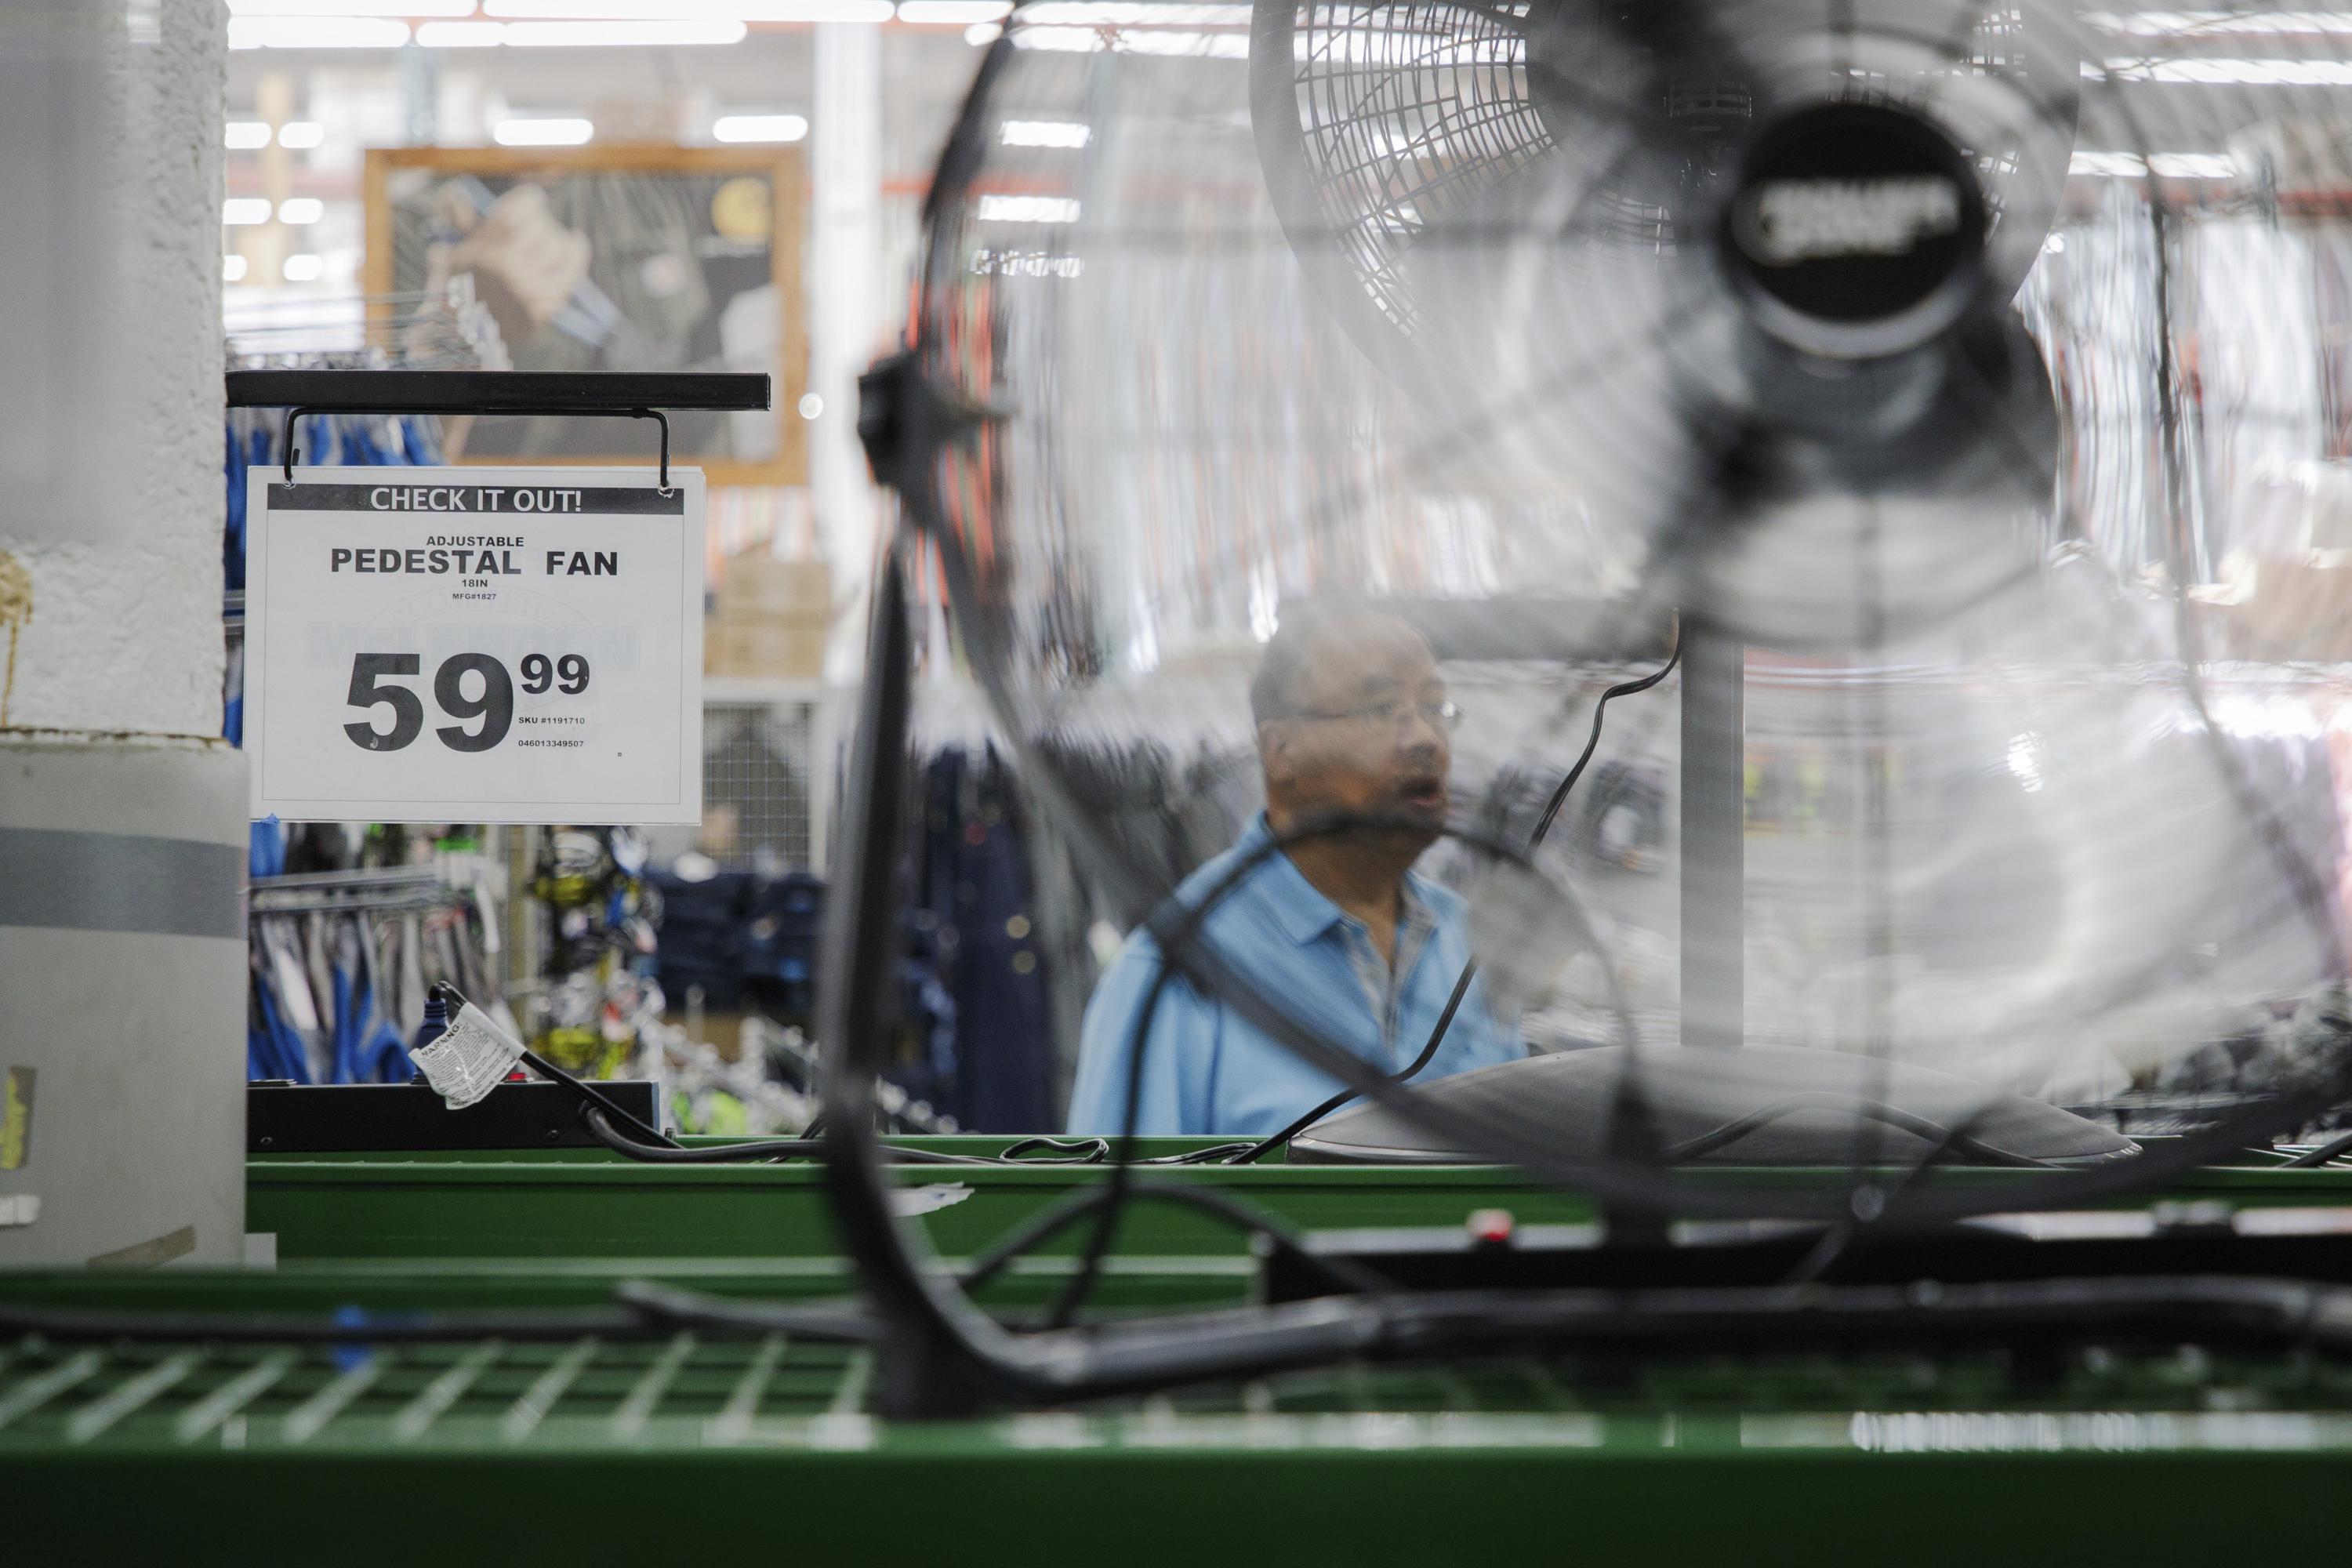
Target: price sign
{"points": [[475, 644]]}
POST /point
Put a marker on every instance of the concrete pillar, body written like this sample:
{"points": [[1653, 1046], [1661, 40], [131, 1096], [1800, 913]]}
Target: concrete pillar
{"points": [[848, 301], [122, 816]]}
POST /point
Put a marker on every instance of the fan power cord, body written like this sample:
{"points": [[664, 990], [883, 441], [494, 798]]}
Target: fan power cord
{"points": [[673, 1153], [624, 1134], [2311, 1159], [1939, 1137], [1049, 1223]]}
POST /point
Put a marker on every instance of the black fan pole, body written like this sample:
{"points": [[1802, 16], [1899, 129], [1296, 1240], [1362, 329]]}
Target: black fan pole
{"points": [[1714, 854]]}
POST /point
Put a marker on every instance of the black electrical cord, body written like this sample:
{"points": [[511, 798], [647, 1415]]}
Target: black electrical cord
{"points": [[1592, 741], [2310, 1158], [672, 1310], [602, 1113], [455, 1001], [619, 1143], [1264, 1146], [1840, 1237], [1073, 1151], [1940, 1137], [1044, 1225], [594, 1101], [613, 1138], [1096, 1151], [1215, 1155]]}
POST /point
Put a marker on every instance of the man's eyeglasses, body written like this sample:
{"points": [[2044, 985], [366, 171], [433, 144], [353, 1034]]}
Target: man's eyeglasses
{"points": [[1387, 718]]}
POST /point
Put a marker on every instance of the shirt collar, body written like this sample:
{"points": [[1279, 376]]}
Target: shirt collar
{"points": [[1304, 911]]}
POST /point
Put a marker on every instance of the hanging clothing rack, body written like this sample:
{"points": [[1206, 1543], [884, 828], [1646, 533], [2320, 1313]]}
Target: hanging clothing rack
{"points": [[341, 963], [386, 891], [448, 328]]}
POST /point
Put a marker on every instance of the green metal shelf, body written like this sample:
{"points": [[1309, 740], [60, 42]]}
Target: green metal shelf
{"points": [[681, 1448], [689, 1392], [588, 1204]]}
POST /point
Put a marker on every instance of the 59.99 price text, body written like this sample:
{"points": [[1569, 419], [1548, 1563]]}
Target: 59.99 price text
{"points": [[494, 706]]}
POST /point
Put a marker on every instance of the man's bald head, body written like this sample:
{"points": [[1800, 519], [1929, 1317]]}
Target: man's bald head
{"points": [[1285, 671], [1351, 719]]}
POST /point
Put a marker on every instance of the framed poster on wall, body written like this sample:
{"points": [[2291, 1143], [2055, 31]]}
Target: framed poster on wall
{"points": [[616, 258]]}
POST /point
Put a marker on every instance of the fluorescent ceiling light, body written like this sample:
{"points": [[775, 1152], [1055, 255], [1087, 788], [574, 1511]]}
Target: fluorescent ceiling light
{"points": [[2193, 165], [460, 35], [232, 269], [621, 34], [302, 134], [1046, 132], [2225, 72], [1135, 41], [952, 13], [316, 33], [301, 210], [697, 10], [542, 133], [2169, 165], [339, 8], [758, 127], [2216, 24], [1028, 209], [638, 32], [305, 267], [980, 35], [237, 211], [244, 135], [1133, 14], [869, 11]]}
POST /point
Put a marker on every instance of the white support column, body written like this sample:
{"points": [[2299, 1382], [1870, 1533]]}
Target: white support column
{"points": [[122, 816], [850, 306], [111, 493]]}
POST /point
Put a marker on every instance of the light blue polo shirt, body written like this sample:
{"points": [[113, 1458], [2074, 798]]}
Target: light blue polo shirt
{"points": [[1207, 1070]]}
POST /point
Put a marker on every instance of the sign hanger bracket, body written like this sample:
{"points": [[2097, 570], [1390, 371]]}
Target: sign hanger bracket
{"points": [[559, 394]]}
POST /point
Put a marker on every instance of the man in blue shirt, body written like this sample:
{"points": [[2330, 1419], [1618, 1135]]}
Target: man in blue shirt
{"points": [[1337, 930]]}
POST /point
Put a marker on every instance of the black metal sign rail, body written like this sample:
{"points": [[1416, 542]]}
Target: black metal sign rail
{"points": [[607, 395]]}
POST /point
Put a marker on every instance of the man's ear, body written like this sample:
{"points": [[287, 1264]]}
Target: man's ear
{"points": [[1273, 749]]}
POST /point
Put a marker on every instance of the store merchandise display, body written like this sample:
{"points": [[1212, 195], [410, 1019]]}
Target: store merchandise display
{"points": [[598, 987]]}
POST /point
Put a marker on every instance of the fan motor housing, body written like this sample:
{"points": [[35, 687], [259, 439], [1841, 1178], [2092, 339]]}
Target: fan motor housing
{"points": [[1856, 230]]}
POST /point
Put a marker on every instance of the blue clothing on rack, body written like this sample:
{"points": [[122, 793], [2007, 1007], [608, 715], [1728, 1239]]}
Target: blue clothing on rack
{"points": [[977, 908], [1206, 1070], [367, 1047], [253, 438], [272, 1048]]}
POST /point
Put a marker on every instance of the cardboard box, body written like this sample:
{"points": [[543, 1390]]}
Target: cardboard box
{"points": [[755, 585], [791, 650], [2297, 611]]}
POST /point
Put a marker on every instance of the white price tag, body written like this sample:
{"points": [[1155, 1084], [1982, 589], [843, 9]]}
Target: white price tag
{"points": [[470, 1059], [475, 644]]}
